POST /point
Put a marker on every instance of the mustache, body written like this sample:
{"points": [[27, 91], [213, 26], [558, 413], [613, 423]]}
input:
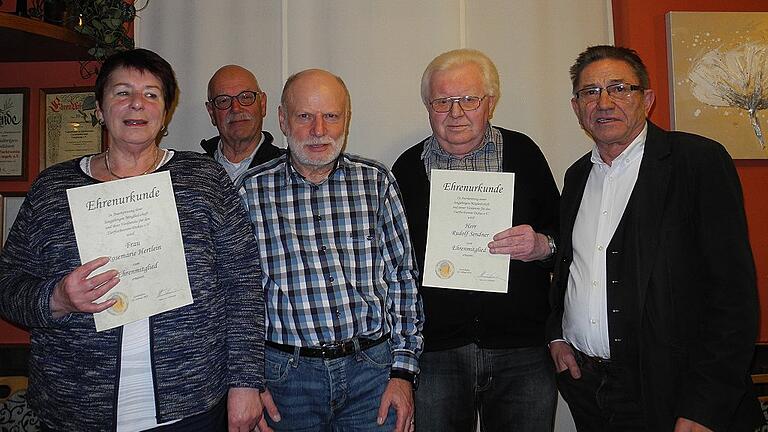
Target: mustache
{"points": [[314, 141], [233, 117]]}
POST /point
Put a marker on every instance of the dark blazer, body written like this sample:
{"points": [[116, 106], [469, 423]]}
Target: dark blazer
{"points": [[681, 263], [265, 153]]}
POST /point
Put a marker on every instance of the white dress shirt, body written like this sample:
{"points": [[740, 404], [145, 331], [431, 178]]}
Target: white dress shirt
{"points": [[608, 188]]}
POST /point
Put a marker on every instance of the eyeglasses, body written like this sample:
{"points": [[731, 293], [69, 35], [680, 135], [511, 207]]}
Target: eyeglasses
{"points": [[467, 103], [620, 91], [245, 98]]}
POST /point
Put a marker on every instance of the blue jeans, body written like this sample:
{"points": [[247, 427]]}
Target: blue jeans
{"points": [[510, 389], [336, 395]]}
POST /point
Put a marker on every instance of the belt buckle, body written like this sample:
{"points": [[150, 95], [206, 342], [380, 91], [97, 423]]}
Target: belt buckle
{"points": [[331, 349]]}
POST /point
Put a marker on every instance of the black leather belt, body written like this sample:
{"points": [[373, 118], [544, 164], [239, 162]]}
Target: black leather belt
{"points": [[590, 361], [330, 350]]}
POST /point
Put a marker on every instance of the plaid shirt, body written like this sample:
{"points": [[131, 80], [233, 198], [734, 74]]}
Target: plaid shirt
{"points": [[336, 257], [487, 157]]}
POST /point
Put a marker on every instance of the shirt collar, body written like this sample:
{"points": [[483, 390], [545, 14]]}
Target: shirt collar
{"points": [[433, 147], [292, 176], [220, 154], [632, 152]]}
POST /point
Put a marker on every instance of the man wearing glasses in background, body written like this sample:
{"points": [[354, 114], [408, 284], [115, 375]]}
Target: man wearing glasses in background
{"points": [[654, 301], [485, 353], [237, 108]]}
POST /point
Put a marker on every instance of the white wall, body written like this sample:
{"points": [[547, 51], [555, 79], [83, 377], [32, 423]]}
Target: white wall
{"points": [[380, 48]]}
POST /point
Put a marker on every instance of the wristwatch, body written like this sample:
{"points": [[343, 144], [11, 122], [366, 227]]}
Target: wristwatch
{"points": [[552, 246], [408, 376]]}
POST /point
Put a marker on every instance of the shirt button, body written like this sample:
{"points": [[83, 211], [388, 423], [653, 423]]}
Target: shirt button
{"points": [[322, 248], [594, 283], [605, 212], [330, 279], [593, 321], [599, 247], [317, 217]]}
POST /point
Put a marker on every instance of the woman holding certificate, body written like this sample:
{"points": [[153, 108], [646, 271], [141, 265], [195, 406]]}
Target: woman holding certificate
{"points": [[137, 339]]}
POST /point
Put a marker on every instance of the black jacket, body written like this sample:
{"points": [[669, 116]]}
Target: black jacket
{"points": [[265, 153], [683, 269]]}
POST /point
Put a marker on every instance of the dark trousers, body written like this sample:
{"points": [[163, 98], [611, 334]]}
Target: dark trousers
{"points": [[510, 389], [605, 399]]}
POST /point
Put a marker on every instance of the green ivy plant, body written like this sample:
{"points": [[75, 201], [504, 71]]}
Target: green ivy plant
{"points": [[104, 22]]}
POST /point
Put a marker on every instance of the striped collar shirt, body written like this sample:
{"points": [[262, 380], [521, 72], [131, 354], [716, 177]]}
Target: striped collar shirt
{"points": [[487, 157], [336, 256]]}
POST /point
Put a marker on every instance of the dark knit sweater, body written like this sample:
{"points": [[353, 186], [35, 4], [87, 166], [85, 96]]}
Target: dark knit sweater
{"points": [[198, 351], [455, 318]]}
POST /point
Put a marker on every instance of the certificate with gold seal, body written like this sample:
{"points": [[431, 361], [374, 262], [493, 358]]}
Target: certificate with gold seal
{"points": [[135, 223], [466, 209]]}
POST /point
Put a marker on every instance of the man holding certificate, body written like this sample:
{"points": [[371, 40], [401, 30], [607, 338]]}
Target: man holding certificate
{"points": [[485, 352]]}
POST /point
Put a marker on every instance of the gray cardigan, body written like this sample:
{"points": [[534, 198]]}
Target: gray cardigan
{"points": [[198, 351]]}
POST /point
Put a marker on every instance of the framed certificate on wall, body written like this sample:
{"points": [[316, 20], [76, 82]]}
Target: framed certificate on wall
{"points": [[68, 125], [13, 132]]}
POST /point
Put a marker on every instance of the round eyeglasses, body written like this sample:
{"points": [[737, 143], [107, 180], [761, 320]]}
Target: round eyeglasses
{"points": [[619, 91], [245, 98], [467, 103]]}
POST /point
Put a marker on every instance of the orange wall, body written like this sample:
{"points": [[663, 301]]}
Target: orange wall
{"points": [[640, 25], [35, 76]]}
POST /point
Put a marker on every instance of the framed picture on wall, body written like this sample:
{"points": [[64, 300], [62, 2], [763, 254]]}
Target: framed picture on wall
{"points": [[14, 121], [718, 64], [68, 125]]}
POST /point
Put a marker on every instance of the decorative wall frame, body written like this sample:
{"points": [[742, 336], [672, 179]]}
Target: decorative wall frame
{"points": [[14, 135], [718, 63], [68, 125]]}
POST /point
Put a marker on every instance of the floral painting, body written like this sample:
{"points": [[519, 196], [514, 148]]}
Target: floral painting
{"points": [[718, 63]]}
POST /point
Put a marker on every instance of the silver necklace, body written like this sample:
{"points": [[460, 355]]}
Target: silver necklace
{"points": [[109, 169]]}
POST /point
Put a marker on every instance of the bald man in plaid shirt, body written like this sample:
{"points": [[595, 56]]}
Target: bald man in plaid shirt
{"points": [[344, 317]]}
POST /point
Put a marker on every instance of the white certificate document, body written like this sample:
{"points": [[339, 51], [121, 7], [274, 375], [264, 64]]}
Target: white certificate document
{"points": [[466, 209], [135, 223]]}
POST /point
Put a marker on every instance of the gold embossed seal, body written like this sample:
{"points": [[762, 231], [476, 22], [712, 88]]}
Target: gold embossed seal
{"points": [[444, 269], [121, 304]]}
